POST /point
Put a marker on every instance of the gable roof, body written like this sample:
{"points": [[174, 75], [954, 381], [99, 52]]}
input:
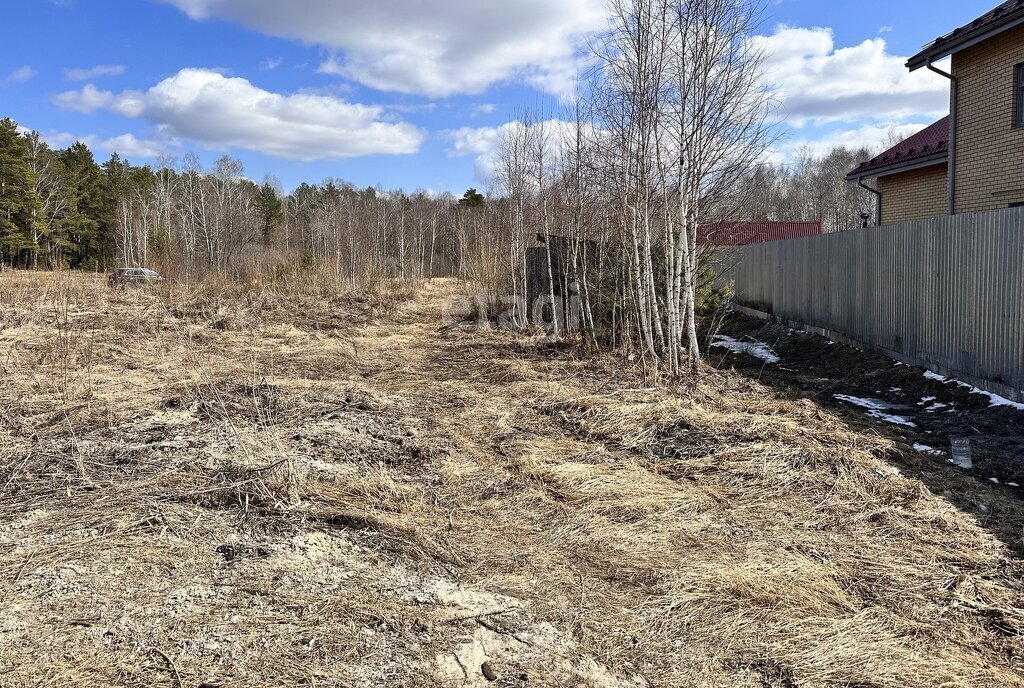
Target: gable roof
{"points": [[925, 148], [1006, 16]]}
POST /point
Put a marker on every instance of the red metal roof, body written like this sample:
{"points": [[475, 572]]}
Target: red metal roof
{"points": [[745, 233], [932, 144], [994, 21]]}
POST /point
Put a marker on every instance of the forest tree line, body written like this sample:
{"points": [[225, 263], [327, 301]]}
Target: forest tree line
{"points": [[62, 209], [812, 188], [669, 131]]}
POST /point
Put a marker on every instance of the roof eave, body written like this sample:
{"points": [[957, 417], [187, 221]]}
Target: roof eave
{"points": [[929, 55], [920, 163]]}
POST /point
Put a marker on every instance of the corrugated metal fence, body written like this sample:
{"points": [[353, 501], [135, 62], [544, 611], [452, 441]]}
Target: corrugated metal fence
{"points": [[946, 293]]}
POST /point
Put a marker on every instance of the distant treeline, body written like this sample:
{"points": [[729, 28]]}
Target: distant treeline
{"points": [[811, 188], [60, 208], [609, 189]]}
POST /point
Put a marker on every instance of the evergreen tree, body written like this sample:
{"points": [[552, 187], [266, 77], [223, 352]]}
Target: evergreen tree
{"points": [[472, 199], [90, 209], [270, 210], [21, 210]]}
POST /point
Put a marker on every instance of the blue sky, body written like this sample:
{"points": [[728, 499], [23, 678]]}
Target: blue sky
{"points": [[409, 93]]}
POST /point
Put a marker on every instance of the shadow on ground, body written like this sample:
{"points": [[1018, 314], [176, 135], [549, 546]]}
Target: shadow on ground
{"points": [[924, 415]]}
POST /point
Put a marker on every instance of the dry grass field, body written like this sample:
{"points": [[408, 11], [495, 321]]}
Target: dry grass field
{"points": [[225, 487]]}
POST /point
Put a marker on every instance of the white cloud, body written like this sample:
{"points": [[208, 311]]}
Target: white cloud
{"points": [[429, 47], [869, 136], [819, 83], [859, 96], [96, 72], [126, 145], [475, 140], [485, 142], [87, 100], [485, 109], [223, 112], [272, 63], [20, 75]]}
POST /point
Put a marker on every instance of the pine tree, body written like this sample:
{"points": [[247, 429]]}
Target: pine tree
{"points": [[87, 225], [269, 207], [472, 199], [21, 210]]}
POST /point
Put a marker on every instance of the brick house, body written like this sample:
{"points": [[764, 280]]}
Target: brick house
{"points": [[973, 159]]}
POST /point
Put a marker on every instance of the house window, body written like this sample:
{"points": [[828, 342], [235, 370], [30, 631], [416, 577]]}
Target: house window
{"points": [[1019, 114]]}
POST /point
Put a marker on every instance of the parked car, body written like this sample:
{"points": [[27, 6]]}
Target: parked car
{"points": [[133, 277]]}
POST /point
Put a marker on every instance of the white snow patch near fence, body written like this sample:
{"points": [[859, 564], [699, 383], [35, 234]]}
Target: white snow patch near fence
{"points": [[994, 398], [870, 404], [925, 449], [755, 349], [877, 409]]}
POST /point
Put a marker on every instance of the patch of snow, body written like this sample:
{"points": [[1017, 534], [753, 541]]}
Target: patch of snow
{"points": [[995, 480], [1000, 401], [894, 419], [877, 409], [925, 449], [995, 399], [870, 404], [755, 349], [1013, 484], [933, 405]]}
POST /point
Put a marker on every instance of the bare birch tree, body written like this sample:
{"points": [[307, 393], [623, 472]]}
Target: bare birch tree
{"points": [[719, 112]]}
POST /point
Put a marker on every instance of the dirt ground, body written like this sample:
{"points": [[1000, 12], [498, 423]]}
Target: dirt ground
{"points": [[205, 489], [917, 409]]}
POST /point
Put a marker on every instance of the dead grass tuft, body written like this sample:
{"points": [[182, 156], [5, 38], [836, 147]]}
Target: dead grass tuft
{"points": [[262, 485]]}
